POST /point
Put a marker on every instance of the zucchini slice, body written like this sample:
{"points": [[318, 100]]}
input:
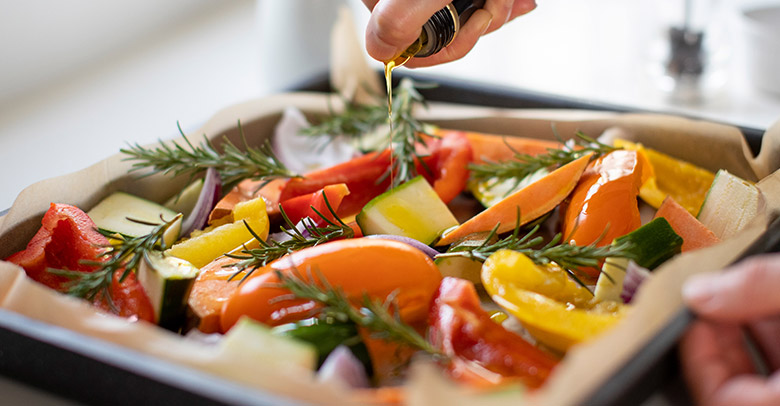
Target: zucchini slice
{"points": [[730, 204], [651, 245], [167, 281], [114, 213], [411, 210], [254, 340]]}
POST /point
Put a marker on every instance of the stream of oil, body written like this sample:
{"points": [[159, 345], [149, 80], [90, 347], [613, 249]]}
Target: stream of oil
{"points": [[389, 66]]}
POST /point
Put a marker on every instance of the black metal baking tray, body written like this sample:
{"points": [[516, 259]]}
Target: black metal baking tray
{"points": [[93, 371]]}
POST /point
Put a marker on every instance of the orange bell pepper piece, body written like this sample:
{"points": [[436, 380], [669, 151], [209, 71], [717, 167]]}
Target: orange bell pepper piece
{"points": [[532, 201], [604, 203], [359, 267]]}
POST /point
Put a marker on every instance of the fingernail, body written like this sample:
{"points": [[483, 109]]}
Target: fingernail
{"points": [[699, 290], [484, 18]]}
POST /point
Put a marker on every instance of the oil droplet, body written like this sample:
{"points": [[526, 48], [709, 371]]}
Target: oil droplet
{"points": [[498, 316]]}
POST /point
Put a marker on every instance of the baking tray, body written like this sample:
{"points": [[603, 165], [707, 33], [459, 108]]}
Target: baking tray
{"points": [[93, 371]]}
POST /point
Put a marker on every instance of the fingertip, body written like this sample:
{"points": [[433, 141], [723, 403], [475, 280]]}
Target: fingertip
{"points": [[378, 48], [699, 291], [743, 292], [746, 390], [522, 7]]}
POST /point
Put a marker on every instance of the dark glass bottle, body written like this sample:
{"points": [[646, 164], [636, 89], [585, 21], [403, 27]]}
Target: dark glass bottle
{"points": [[440, 30]]}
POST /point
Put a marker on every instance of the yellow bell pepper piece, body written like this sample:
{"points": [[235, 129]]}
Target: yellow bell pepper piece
{"points": [[549, 280], [214, 242], [544, 300], [667, 176]]}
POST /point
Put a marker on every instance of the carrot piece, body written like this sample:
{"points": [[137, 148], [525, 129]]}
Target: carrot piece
{"points": [[695, 235], [533, 201], [496, 148]]}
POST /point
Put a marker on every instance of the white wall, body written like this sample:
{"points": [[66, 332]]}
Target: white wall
{"points": [[45, 40]]}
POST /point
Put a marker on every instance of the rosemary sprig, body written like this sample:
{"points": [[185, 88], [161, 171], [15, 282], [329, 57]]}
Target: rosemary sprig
{"points": [[406, 131], [232, 164], [251, 259], [406, 134], [524, 164], [571, 258], [381, 317], [354, 121], [125, 254]]}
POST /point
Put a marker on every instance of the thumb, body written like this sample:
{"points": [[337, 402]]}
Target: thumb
{"points": [[747, 291]]}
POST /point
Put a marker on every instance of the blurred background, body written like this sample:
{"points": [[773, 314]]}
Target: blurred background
{"points": [[80, 78]]}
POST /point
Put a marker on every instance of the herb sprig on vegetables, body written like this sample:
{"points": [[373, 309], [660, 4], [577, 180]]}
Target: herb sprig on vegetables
{"points": [[381, 317], [232, 164], [354, 121], [123, 254], [524, 165], [357, 120], [570, 257], [407, 134], [251, 259]]}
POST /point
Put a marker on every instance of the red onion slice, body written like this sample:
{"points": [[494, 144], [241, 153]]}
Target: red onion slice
{"points": [[282, 236], [635, 276], [411, 241], [342, 366], [207, 199]]}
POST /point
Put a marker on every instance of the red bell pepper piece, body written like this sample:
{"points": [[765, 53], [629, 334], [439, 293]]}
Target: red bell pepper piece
{"points": [[445, 168], [359, 174], [448, 163], [303, 206], [463, 330], [66, 239]]}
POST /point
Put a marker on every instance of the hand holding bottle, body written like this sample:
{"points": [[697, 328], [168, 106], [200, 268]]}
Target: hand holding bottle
{"points": [[395, 24], [716, 362]]}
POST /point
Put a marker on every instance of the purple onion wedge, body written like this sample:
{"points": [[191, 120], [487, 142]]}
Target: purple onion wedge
{"points": [[342, 366], [411, 241], [635, 276], [207, 199]]}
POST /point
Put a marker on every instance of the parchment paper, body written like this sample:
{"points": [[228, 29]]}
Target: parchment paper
{"points": [[585, 367]]}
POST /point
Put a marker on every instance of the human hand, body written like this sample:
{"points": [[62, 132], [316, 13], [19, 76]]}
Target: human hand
{"points": [[715, 360], [396, 24]]}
